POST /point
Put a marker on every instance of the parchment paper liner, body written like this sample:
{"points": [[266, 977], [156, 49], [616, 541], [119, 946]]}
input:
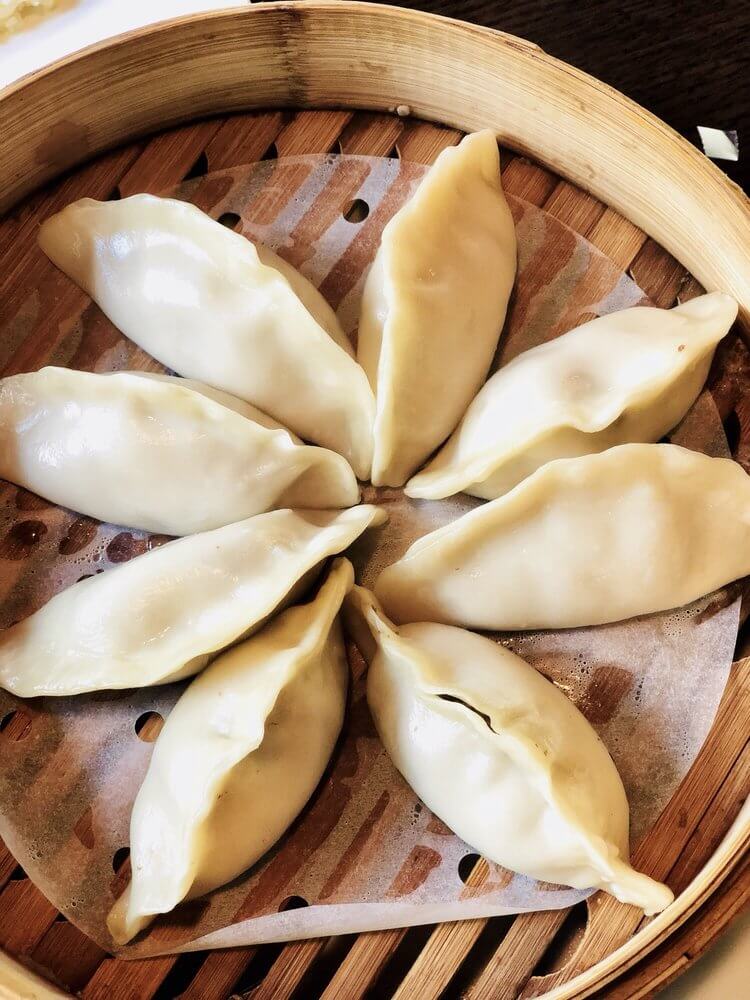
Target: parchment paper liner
{"points": [[364, 854]]}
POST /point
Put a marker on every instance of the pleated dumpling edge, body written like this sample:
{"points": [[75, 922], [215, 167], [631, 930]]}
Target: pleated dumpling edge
{"points": [[434, 305], [629, 376], [237, 759], [163, 615], [630, 531], [203, 301], [157, 452], [499, 754]]}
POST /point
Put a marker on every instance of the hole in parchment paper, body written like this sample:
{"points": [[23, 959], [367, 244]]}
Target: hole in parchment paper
{"points": [[198, 169], [292, 903], [15, 725], [466, 866], [119, 858], [79, 535], [564, 944], [229, 219], [148, 726], [733, 431], [25, 500], [356, 211], [121, 868]]}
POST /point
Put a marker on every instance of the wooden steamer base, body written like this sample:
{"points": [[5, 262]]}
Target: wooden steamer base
{"points": [[341, 55]]}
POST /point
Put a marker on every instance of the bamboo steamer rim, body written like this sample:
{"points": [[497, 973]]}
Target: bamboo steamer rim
{"points": [[319, 53], [727, 855]]}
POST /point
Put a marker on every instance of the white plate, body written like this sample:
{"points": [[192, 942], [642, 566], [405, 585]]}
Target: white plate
{"points": [[88, 21]]}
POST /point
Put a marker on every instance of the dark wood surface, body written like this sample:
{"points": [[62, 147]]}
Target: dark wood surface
{"points": [[688, 61]]}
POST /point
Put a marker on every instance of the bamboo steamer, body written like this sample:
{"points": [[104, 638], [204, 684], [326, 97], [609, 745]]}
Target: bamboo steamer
{"points": [[642, 180]]}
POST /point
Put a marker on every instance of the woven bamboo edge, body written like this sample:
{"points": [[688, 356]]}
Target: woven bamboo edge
{"points": [[729, 853]]}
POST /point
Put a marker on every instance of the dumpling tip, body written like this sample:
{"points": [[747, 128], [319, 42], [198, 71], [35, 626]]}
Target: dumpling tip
{"points": [[637, 889]]}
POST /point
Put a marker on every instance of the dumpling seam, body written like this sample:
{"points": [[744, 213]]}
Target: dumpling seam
{"points": [[598, 854], [483, 465]]}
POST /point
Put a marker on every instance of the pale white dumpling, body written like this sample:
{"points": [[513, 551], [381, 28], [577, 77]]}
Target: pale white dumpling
{"points": [[434, 305], [239, 756], [637, 529], [203, 301], [166, 613], [159, 453], [630, 376], [499, 754]]}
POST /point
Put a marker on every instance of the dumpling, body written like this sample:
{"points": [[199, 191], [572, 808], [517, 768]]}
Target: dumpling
{"points": [[434, 305], [499, 754], [237, 759], [165, 614], [629, 376], [158, 453], [637, 529], [205, 302], [231, 402]]}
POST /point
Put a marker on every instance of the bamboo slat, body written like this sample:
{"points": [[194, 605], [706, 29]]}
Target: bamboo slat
{"points": [[438, 961], [167, 158], [288, 970], [218, 974], [371, 135], [244, 139], [364, 963]]}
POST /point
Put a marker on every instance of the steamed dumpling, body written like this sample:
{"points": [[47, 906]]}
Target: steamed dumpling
{"points": [[165, 614], [499, 754], [434, 305], [203, 301], [239, 756], [158, 453], [637, 529], [629, 376]]}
